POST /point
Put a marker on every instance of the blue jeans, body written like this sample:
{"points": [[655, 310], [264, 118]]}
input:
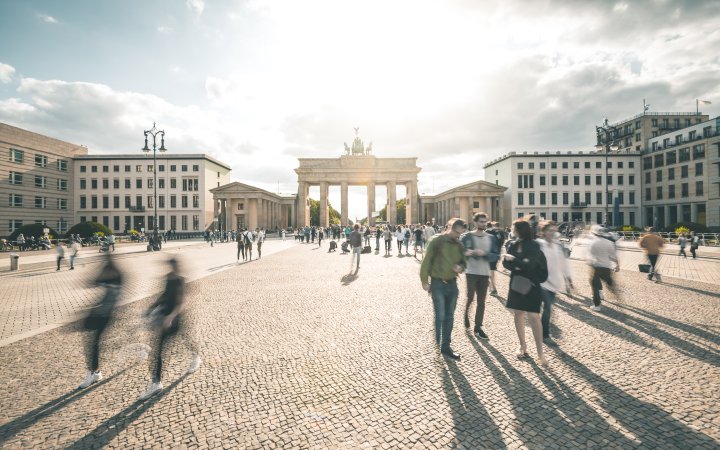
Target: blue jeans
{"points": [[548, 300], [356, 251], [444, 297]]}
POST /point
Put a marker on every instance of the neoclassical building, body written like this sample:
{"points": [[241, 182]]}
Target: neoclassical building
{"points": [[463, 202]]}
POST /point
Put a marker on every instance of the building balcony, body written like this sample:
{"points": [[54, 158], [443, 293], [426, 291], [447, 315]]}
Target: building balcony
{"points": [[137, 209], [578, 205]]}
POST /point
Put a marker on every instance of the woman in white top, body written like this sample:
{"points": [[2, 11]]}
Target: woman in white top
{"points": [[400, 237]]}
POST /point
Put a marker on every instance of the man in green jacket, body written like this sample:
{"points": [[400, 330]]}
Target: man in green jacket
{"points": [[444, 260]]}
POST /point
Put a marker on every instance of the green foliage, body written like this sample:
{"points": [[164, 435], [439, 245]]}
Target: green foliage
{"points": [[691, 226], [334, 215], [399, 208], [629, 228], [86, 229], [33, 229]]}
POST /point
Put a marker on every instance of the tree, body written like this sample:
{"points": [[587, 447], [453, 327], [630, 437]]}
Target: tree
{"points": [[400, 210], [334, 216], [87, 229], [33, 229]]}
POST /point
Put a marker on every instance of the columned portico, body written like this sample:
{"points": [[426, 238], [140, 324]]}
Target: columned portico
{"points": [[463, 202]]}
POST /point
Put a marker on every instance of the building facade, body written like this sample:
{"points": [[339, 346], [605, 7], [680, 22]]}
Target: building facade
{"points": [[681, 176], [117, 191], [463, 202], [570, 187], [243, 206], [634, 133], [37, 180]]}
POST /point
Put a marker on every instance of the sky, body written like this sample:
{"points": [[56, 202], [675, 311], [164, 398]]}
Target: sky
{"points": [[260, 83]]}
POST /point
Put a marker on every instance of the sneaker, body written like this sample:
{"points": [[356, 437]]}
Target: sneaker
{"points": [[595, 308], [480, 334], [493, 292], [543, 362], [195, 365], [153, 388], [521, 354], [91, 378], [450, 354]]}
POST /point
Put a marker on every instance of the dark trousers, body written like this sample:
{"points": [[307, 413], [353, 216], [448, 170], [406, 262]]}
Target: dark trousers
{"points": [[600, 274], [388, 246], [693, 249], [241, 251], [259, 246], [164, 337], [682, 252], [653, 261], [444, 297], [377, 244], [59, 259], [548, 300], [476, 285], [98, 324]]}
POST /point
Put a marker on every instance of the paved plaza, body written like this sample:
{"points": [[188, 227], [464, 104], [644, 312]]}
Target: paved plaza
{"points": [[297, 354]]}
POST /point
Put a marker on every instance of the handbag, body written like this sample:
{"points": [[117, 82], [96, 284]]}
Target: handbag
{"points": [[521, 284]]}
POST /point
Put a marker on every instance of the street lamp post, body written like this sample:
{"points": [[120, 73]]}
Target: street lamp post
{"points": [[154, 132], [606, 134]]}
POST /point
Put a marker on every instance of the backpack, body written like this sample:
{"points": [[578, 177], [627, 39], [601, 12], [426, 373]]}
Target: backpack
{"points": [[407, 234], [246, 238]]}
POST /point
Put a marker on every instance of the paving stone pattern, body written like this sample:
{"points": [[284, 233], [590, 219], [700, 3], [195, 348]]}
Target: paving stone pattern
{"points": [[299, 355]]}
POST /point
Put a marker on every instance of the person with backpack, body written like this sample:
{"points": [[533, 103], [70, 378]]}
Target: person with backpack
{"points": [[528, 268], [444, 261], [248, 238], [480, 250], [419, 239]]}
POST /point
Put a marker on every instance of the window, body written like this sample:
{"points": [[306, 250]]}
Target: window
{"points": [[659, 193], [62, 165], [83, 202], [40, 181], [692, 135], [173, 168], [173, 183], [128, 202], [678, 139], [576, 164], [670, 157], [116, 183], [196, 200], [553, 165], [698, 188], [150, 183], [654, 122], [609, 180], [138, 201], [542, 165], [40, 202], [598, 164], [631, 200], [631, 180], [150, 168], [684, 154], [150, 202], [183, 168], [576, 180], [587, 164], [671, 173], [93, 183], [161, 201], [127, 183], [676, 123], [62, 203], [105, 202], [196, 167], [554, 216], [620, 180], [241, 206], [553, 198], [116, 168], [106, 183], [588, 180], [127, 168], [524, 182], [184, 222], [576, 198], [659, 160], [648, 194], [196, 223], [173, 201], [707, 132], [687, 122], [161, 221], [588, 198], [553, 180], [698, 151], [631, 164], [565, 180], [598, 180], [15, 200], [566, 198], [647, 162], [106, 169], [93, 169], [683, 171], [138, 183], [14, 224], [543, 198], [191, 184], [62, 185], [648, 177], [598, 198], [41, 161], [161, 168], [565, 165], [658, 176], [116, 201], [161, 183], [666, 123], [138, 168], [671, 191], [93, 203], [542, 180], [15, 178], [116, 223], [685, 191], [637, 137], [83, 169], [173, 222]]}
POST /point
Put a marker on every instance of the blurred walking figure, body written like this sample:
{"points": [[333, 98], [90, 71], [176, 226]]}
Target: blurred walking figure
{"points": [[652, 243], [559, 276], [321, 235], [260, 239], [603, 260], [110, 279], [694, 244], [166, 316], [60, 253], [528, 268], [74, 250], [682, 242], [240, 249], [443, 262], [500, 236], [356, 244], [481, 250]]}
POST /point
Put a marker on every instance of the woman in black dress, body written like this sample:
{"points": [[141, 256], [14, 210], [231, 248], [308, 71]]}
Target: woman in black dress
{"points": [[528, 268]]}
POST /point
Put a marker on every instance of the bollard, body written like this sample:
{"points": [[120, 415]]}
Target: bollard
{"points": [[14, 261]]}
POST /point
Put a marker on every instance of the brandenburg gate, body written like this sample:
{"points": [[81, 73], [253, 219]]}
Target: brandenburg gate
{"points": [[357, 167]]}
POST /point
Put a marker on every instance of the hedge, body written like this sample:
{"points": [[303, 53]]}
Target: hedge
{"points": [[87, 229], [34, 229]]}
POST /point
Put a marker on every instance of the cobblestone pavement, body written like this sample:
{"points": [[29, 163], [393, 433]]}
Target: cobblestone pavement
{"points": [[297, 354], [41, 299]]}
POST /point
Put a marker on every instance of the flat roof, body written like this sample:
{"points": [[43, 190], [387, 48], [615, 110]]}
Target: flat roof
{"points": [[163, 156], [559, 154]]}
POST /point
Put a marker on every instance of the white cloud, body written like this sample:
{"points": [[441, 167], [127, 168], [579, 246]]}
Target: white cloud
{"points": [[6, 73], [162, 29], [47, 19], [196, 6]]}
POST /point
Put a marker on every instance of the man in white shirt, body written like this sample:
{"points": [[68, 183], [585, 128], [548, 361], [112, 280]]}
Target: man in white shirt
{"points": [[429, 232], [603, 260], [260, 236], [558, 271]]}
